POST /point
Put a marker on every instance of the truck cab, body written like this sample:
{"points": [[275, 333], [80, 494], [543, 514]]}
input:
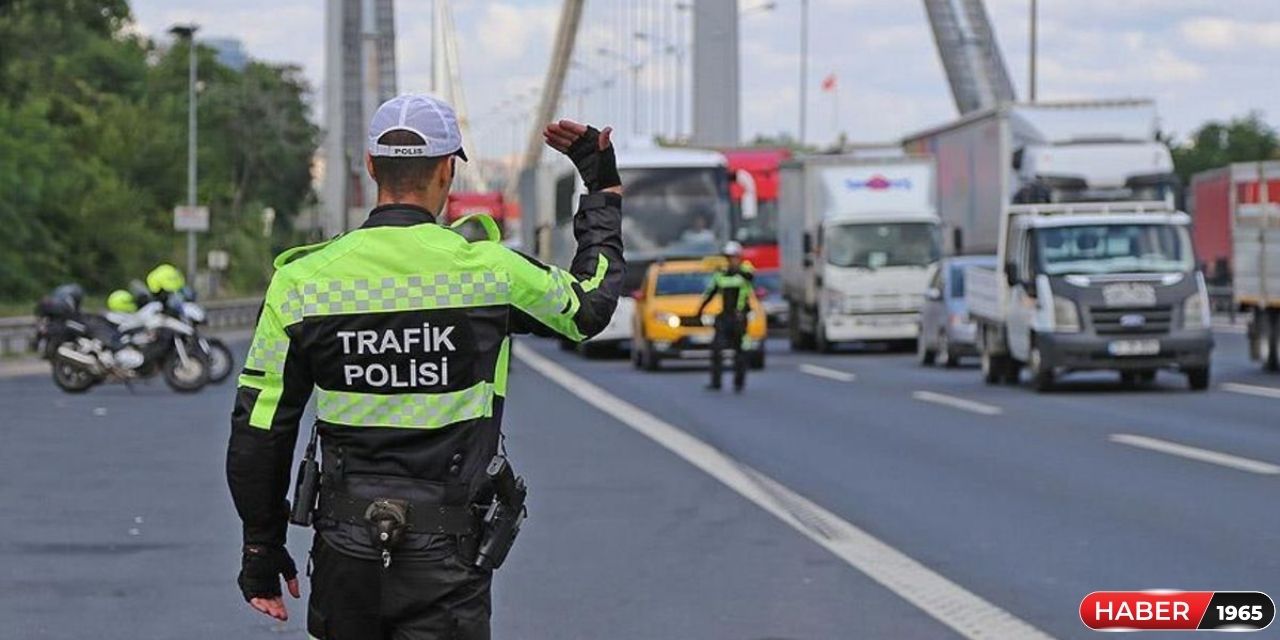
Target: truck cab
{"points": [[1086, 287]]}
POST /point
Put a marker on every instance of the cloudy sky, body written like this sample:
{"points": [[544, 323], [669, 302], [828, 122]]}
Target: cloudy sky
{"points": [[1200, 59]]}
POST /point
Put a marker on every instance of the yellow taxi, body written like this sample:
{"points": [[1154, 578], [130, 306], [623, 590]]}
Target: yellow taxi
{"points": [[667, 325]]}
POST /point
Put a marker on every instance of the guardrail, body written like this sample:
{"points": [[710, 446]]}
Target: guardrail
{"points": [[16, 333]]}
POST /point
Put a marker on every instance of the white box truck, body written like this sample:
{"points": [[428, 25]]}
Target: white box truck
{"points": [[856, 237], [1095, 267], [1095, 151]]}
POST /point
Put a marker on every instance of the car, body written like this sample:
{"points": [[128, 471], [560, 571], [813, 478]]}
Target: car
{"points": [[666, 320], [946, 331]]}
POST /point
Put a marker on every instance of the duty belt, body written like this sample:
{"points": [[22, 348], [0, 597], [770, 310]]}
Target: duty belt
{"points": [[420, 517]]}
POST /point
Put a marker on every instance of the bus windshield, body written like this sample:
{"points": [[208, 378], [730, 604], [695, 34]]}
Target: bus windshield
{"points": [[674, 211]]}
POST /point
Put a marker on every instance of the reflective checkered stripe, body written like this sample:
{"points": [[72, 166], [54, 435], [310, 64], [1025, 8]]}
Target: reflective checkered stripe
{"points": [[404, 293], [552, 301], [267, 354], [406, 410]]}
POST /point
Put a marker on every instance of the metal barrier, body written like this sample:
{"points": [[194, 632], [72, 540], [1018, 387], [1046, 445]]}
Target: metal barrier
{"points": [[16, 333]]}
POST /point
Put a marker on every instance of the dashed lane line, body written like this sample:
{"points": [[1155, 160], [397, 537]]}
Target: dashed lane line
{"points": [[1196, 453], [1251, 390], [830, 374], [951, 604], [957, 403]]}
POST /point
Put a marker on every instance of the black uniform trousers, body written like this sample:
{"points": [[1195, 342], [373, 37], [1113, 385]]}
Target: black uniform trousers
{"points": [[434, 597], [729, 332]]}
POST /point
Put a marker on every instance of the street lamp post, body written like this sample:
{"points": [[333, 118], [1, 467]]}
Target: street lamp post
{"points": [[187, 33], [1031, 90], [804, 67], [635, 66], [678, 52]]}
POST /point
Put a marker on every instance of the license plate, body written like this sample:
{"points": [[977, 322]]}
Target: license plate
{"points": [[700, 339], [1134, 347]]}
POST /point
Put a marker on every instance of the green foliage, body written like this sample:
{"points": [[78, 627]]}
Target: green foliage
{"points": [[1242, 139], [93, 142]]}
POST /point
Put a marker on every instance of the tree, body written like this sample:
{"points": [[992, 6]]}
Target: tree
{"points": [[93, 150], [1242, 139]]}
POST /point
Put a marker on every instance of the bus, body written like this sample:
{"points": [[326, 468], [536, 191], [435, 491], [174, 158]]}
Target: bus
{"points": [[676, 205]]}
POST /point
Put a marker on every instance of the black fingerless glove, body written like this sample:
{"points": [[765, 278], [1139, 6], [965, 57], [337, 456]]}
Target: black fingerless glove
{"points": [[260, 571], [598, 168]]}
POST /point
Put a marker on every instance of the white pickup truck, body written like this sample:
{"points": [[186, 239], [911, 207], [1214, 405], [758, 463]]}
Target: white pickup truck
{"points": [[1089, 286]]}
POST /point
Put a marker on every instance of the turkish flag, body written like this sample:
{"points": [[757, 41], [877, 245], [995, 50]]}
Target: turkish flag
{"points": [[829, 82]]}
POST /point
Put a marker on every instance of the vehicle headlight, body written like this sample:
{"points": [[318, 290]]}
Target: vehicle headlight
{"points": [[1066, 318], [666, 317], [1195, 311]]}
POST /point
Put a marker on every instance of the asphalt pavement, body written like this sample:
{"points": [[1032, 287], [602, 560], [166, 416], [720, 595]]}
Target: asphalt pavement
{"points": [[118, 523]]}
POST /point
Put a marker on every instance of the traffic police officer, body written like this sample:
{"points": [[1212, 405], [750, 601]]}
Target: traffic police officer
{"points": [[402, 330], [733, 284]]}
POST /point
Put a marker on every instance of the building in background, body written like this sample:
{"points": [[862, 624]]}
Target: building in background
{"points": [[716, 121], [360, 73]]}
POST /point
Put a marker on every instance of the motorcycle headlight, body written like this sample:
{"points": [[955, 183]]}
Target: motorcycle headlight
{"points": [[1066, 318], [193, 312], [666, 317], [1195, 311]]}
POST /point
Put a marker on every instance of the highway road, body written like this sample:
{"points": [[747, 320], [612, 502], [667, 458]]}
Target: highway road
{"points": [[852, 495]]}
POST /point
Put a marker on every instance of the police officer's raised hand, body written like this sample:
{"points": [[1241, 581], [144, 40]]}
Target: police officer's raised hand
{"points": [[260, 571], [590, 150]]}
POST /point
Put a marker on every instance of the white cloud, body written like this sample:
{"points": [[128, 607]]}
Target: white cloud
{"points": [[1228, 34], [1200, 59], [508, 30]]}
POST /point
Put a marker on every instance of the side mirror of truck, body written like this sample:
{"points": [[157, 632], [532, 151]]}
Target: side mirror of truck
{"points": [[1011, 274]]}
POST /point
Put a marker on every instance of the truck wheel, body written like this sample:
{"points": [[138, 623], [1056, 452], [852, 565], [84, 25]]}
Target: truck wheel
{"points": [[820, 342], [991, 373], [924, 355], [946, 357], [649, 357], [800, 340], [1271, 342], [1198, 378], [1041, 371]]}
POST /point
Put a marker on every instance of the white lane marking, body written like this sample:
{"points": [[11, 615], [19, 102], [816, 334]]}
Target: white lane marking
{"points": [[1230, 328], [949, 603], [957, 403], [1196, 453], [1250, 389], [830, 374]]}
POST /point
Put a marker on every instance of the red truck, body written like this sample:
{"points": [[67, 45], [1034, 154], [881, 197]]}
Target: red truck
{"points": [[463, 203], [1215, 194], [753, 178], [1238, 242]]}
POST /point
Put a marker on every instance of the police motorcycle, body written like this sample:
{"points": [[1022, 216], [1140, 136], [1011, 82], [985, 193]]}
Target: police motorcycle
{"points": [[166, 285], [87, 349], [216, 352]]}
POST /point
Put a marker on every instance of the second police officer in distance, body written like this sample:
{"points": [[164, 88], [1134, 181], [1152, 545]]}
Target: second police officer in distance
{"points": [[402, 329]]}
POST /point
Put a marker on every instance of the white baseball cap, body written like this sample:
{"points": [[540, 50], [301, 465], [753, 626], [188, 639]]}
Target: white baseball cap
{"points": [[431, 119]]}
